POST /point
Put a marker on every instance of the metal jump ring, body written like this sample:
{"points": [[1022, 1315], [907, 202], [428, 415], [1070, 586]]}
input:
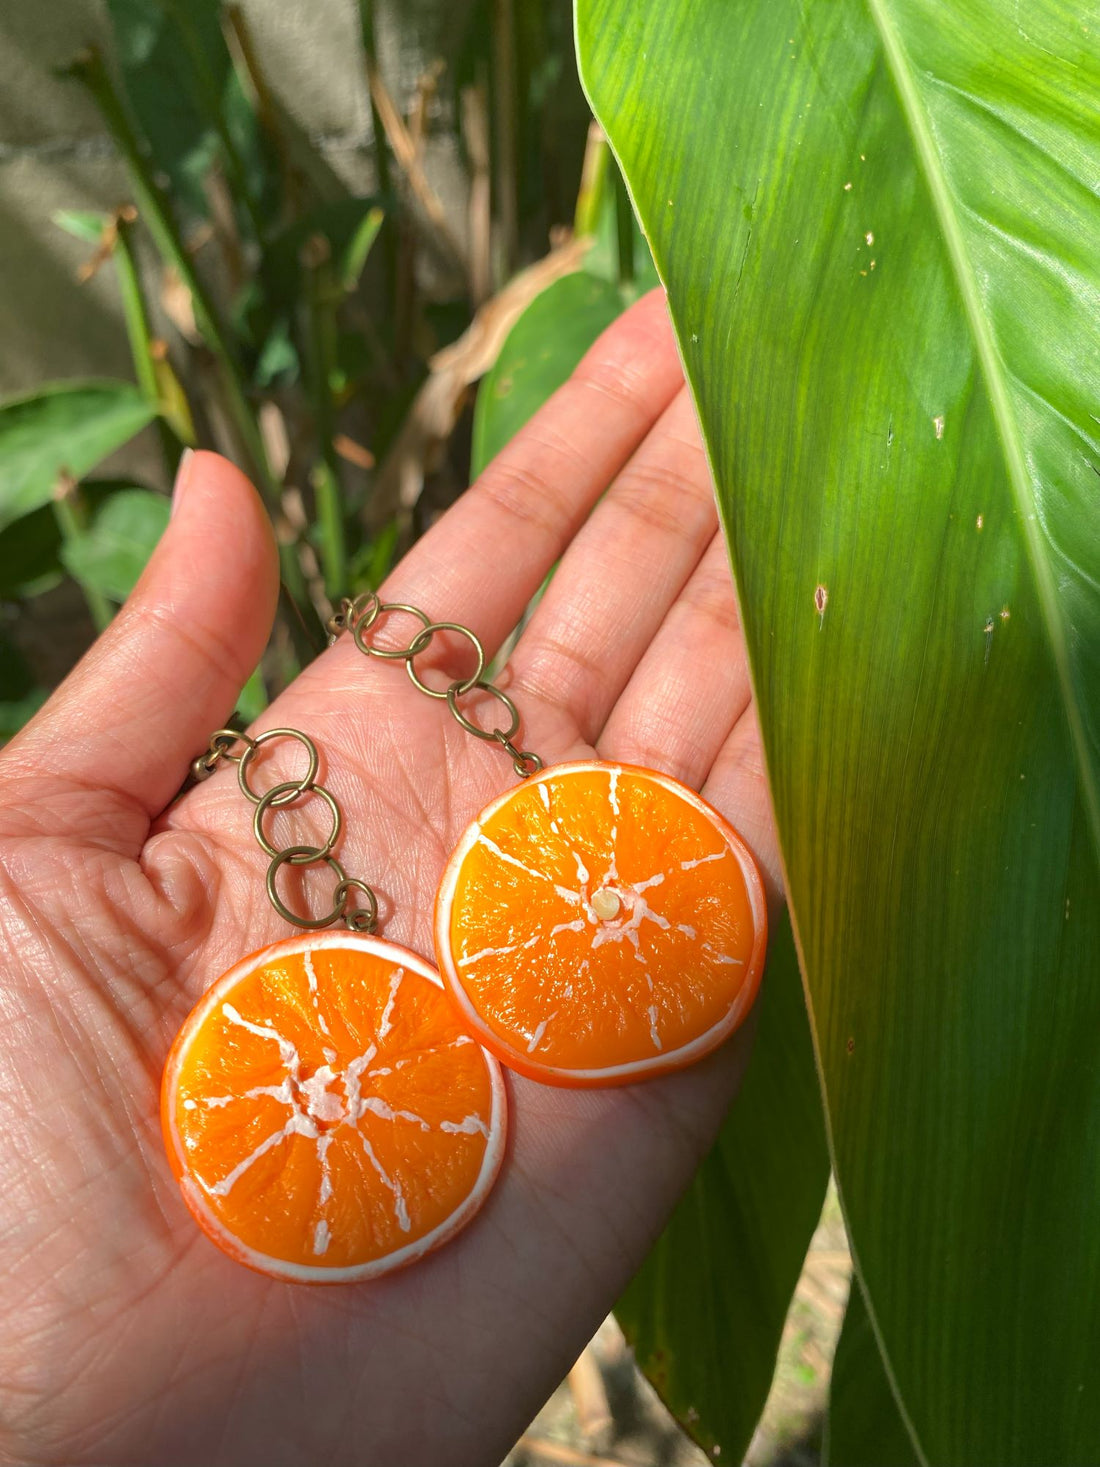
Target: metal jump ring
{"points": [[384, 607], [524, 761], [355, 615], [420, 643], [277, 796], [223, 739], [299, 788], [496, 734], [359, 919], [366, 604], [311, 853]]}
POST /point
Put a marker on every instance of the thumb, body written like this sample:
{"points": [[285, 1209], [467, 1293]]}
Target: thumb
{"points": [[122, 728]]}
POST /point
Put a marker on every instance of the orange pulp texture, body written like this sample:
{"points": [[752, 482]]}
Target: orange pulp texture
{"points": [[599, 924], [325, 1114]]}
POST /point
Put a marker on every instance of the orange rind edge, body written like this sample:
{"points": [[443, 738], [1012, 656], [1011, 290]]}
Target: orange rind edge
{"points": [[279, 1268], [677, 1059]]}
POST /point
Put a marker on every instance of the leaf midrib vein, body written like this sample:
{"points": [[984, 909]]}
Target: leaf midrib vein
{"points": [[995, 375]]}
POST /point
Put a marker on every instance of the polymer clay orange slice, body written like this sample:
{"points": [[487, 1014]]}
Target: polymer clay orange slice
{"points": [[600, 924], [326, 1115]]}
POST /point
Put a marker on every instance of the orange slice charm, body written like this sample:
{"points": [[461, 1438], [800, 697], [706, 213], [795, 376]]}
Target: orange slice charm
{"points": [[600, 924], [326, 1116]]}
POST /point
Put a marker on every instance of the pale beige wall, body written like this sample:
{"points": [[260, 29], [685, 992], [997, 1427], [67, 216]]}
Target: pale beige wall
{"points": [[54, 154]]}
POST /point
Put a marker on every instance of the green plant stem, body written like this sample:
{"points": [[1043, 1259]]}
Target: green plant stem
{"points": [[238, 38], [322, 296], [330, 518], [209, 103], [134, 313], [505, 110], [136, 316], [370, 50], [624, 231], [597, 156], [154, 208], [153, 205], [383, 174], [72, 522]]}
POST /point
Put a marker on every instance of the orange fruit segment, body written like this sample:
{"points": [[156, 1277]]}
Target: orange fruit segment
{"points": [[327, 1117], [599, 924]]}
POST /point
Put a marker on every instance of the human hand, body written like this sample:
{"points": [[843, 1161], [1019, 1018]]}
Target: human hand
{"points": [[127, 1337]]}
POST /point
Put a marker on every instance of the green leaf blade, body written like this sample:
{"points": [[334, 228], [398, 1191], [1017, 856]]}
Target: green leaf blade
{"points": [[705, 1314], [864, 1428], [63, 428], [1002, 268], [929, 724], [113, 552], [706, 1311], [541, 350]]}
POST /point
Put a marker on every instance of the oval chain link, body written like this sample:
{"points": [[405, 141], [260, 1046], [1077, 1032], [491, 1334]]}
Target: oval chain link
{"points": [[359, 616], [359, 918]]}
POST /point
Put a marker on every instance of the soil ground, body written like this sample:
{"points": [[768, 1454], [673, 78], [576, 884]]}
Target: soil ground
{"points": [[606, 1414]]}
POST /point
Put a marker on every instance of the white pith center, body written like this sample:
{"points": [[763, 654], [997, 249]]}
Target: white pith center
{"points": [[606, 904]]}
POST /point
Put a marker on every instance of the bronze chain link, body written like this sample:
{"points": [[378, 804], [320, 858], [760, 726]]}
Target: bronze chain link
{"points": [[358, 919], [360, 615]]}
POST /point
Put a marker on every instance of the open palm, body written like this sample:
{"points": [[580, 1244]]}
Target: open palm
{"points": [[126, 1337]]}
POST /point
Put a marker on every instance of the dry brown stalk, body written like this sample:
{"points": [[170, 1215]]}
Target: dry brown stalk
{"points": [[431, 419], [405, 151]]}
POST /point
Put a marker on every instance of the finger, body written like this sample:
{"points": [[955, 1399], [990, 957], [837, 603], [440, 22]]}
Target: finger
{"points": [[738, 788], [691, 686], [620, 576], [125, 723], [488, 555]]}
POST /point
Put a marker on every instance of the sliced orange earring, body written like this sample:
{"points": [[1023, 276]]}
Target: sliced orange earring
{"points": [[325, 1111], [599, 923]]}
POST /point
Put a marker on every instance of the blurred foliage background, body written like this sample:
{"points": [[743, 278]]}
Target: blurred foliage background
{"points": [[314, 228]]}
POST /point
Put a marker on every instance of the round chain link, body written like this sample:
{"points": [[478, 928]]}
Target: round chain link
{"points": [[492, 735], [272, 801], [363, 611], [358, 919], [419, 644], [384, 608], [301, 856], [292, 789], [524, 761], [359, 617]]}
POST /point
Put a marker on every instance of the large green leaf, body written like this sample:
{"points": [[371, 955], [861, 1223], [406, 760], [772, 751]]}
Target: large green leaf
{"points": [[540, 351], [63, 428], [863, 1427], [706, 1311], [113, 551], [878, 223], [30, 547], [705, 1314]]}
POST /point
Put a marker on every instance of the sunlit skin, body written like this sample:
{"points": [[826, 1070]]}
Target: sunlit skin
{"points": [[126, 1336]]}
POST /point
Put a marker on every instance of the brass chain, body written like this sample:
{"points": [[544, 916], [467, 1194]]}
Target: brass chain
{"points": [[360, 615], [358, 919]]}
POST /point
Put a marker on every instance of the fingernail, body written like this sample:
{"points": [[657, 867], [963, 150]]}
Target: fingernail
{"points": [[183, 473]]}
